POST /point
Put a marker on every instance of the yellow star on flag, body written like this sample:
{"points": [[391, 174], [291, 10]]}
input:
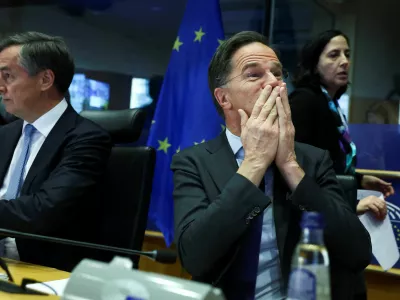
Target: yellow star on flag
{"points": [[199, 34], [164, 145], [178, 150], [200, 142], [153, 122], [220, 41], [177, 44], [223, 127]]}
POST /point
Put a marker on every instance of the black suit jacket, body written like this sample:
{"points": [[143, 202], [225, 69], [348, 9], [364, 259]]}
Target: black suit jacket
{"points": [[60, 190], [213, 204], [315, 124]]}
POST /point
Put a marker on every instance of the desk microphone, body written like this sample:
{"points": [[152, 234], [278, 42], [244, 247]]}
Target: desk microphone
{"points": [[161, 255]]}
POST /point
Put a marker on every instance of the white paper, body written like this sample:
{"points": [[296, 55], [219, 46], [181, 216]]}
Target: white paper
{"points": [[384, 246], [365, 193], [57, 285]]}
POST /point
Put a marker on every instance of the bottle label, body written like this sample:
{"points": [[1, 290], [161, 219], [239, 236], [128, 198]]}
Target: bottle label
{"points": [[309, 283]]}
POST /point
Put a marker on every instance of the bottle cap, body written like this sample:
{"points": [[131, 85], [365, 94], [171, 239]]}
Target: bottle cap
{"points": [[312, 220]]}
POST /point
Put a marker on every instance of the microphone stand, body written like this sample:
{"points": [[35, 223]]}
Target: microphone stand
{"points": [[12, 287], [162, 256]]}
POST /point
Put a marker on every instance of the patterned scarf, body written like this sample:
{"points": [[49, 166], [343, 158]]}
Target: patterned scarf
{"points": [[346, 144]]}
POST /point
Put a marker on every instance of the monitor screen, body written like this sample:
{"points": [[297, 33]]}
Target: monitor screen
{"points": [[88, 94], [140, 93], [99, 94]]}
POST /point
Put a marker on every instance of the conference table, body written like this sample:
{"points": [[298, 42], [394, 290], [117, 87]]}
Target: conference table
{"points": [[20, 270], [380, 285]]}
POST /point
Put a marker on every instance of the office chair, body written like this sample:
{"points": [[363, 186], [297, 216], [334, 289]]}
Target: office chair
{"points": [[126, 189]]}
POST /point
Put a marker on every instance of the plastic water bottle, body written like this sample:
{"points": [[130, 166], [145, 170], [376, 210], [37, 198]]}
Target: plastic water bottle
{"points": [[309, 278]]}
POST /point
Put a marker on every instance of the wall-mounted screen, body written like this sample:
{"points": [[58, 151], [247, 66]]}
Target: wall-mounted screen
{"points": [[88, 94], [140, 93]]}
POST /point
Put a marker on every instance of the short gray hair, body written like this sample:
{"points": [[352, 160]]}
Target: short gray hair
{"points": [[40, 52]]}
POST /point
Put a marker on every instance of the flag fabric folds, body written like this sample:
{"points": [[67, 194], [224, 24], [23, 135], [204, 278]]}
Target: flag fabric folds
{"points": [[185, 113]]}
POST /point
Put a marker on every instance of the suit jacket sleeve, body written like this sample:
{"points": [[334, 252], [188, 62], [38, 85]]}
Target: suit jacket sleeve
{"points": [[81, 166], [206, 229], [347, 240]]}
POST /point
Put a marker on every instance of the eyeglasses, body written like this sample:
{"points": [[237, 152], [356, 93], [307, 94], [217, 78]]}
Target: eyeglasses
{"points": [[252, 75]]}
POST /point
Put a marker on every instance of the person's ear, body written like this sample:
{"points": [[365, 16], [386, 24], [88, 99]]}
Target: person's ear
{"points": [[46, 79], [223, 98]]}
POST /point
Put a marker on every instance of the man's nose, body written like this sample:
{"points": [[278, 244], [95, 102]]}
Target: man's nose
{"points": [[271, 79]]}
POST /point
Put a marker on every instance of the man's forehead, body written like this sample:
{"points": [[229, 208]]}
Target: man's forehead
{"points": [[255, 52], [9, 56], [10, 53]]}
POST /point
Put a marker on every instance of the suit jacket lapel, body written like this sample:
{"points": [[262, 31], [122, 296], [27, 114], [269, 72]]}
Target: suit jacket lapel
{"points": [[222, 165], [53, 141], [9, 137]]}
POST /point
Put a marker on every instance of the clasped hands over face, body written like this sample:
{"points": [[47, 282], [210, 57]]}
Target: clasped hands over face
{"points": [[268, 133]]}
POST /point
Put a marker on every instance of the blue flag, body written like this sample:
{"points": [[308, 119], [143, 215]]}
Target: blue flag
{"points": [[185, 113]]}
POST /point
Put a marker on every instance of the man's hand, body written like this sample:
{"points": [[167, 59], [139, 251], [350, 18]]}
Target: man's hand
{"points": [[376, 184], [259, 135], [374, 204], [285, 155]]}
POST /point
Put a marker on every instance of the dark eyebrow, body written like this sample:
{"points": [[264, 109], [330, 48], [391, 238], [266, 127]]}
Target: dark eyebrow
{"points": [[276, 64], [250, 65], [5, 68]]}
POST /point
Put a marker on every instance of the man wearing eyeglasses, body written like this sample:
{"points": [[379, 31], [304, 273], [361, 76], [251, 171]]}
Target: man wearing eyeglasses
{"points": [[239, 197]]}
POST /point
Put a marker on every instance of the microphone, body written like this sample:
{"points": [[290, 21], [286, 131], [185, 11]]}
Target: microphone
{"points": [[162, 255]]}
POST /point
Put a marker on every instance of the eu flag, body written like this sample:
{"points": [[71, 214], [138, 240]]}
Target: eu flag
{"points": [[185, 113]]}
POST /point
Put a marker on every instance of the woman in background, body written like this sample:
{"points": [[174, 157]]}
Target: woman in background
{"points": [[316, 114], [319, 121]]}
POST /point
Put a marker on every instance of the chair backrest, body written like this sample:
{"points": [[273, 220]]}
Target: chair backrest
{"points": [[124, 126], [349, 186], [126, 197], [127, 185]]}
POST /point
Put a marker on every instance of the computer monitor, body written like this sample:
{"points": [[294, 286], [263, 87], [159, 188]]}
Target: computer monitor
{"points": [[88, 94], [140, 93]]}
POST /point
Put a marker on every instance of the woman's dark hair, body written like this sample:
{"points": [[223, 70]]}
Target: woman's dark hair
{"points": [[306, 74]]}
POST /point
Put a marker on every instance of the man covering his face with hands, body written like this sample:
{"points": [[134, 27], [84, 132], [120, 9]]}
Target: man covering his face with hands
{"points": [[239, 197]]}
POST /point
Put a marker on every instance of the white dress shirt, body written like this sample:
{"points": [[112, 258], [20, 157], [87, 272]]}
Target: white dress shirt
{"points": [[43, 126]]}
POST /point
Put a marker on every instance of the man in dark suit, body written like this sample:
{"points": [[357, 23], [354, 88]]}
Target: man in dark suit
{"points": [[51, 159], [239, 197]]}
